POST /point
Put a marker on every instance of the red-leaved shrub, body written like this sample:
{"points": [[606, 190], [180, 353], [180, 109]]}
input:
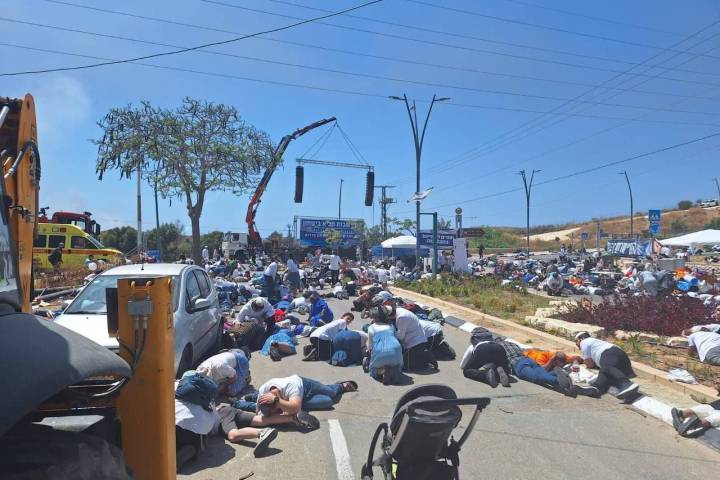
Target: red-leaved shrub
{"points": [[666, 316]]}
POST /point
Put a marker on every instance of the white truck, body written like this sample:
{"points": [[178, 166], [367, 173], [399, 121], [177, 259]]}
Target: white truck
{"points": [[233, 242]]}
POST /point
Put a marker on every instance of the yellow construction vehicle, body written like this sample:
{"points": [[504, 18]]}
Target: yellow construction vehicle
{"points": [[54, 373]]}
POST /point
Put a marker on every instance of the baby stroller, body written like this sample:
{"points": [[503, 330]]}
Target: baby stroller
{"points": [[418, 443]]}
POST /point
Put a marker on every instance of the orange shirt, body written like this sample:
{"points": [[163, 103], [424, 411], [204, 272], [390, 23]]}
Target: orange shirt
{"points": [[542, 357]]}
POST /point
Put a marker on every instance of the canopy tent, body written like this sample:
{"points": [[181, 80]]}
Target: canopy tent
{"points": [[406, 241], [703, 237]]}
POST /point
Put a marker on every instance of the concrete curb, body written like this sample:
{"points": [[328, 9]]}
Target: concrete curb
{"points": [[646, 404]]}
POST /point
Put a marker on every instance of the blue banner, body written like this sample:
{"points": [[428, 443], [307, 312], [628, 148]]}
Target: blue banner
{"points": [[313, 232], [444, 238]]}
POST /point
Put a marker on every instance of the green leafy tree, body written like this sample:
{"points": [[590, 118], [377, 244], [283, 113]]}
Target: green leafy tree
{"points": [[171, 239], [684, 204], [121, 238], [213, 240], [187, 152], [406, 226]]}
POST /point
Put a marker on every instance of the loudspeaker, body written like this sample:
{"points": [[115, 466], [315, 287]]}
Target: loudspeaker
{"points": [[299, 179], [369, 188]]}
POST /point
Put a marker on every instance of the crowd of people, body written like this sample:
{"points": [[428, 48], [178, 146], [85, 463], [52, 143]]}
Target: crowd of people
{"points": [[272, 302]]}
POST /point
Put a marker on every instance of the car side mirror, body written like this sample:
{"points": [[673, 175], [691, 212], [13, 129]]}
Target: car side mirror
{"points": [[201, 304]]}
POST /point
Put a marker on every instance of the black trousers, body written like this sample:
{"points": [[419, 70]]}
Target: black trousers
{"points": [[334, 275], [434, 341], [417, 357], [269, 326], [324, 348], [615, 369], [489, 352]]}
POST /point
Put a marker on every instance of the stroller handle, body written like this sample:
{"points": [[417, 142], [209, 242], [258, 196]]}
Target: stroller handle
{"points": [[479, 402]]}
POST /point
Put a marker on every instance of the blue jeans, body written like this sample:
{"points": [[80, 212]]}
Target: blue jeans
{"points": [[317, 396], [529, 370]]}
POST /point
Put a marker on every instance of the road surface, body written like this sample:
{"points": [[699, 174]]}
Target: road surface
{"points": [[527, 432]]}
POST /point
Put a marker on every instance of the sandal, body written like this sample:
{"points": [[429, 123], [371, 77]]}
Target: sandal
{"points": [[349, 386]]}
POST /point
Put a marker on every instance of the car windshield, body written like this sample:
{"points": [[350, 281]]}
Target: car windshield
{"points": [[91, 299], [96, 242]]}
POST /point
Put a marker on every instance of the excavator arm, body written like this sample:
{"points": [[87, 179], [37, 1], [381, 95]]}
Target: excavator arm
{"points": [[20, 159], [254, 238]]}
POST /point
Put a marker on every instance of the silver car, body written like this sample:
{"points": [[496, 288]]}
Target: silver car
{"points": [[197, 317]]}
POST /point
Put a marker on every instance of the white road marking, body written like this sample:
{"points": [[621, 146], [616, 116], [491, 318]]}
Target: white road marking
{"points": [[467, 327], [340, 450]]}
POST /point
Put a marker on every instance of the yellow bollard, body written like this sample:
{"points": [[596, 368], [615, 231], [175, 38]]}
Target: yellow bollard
{"points": [[146, 405]]}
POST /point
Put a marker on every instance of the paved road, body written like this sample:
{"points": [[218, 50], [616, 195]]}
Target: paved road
{"points": [[527, 432]]}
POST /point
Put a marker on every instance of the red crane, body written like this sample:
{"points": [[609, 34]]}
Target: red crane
{"points": [[254, 238]]}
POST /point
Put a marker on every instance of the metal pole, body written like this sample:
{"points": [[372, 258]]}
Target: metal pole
{"points": [[139, 210], [627, 179], [528, 190], [597, 236], [717, 184], [435, 232], [158, 233], [340, 199]]}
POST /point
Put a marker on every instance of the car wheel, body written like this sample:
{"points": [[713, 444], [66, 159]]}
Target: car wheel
{"points": [[185, 361]]}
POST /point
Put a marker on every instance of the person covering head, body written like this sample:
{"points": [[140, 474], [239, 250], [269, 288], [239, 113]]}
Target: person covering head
{"points": [[581, 335], [258, 304]]}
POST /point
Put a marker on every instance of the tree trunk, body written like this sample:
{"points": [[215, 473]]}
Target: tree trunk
{"points": [[196, 247]]}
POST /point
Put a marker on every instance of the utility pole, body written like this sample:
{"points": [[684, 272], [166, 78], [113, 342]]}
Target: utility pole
{"points": [[717, 184], [418, 138], [139, 210], [528, 190], [598, 231], [384, 202], [340, 199], [632, 213]]}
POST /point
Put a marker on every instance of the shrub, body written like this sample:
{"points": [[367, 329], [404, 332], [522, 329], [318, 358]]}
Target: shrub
{"points": [[684, 204], [660, 315]]}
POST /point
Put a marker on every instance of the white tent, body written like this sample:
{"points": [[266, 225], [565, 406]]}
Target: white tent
{"points": [[403, 241], [703, 237]]}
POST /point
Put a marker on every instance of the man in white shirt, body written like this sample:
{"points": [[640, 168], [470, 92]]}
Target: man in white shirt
{"points": [[706, 345], [436, 340], [291, 395], [293, 274], [613, 363], [205, 254], [321, 339], [382, 275], [334, 268], [260, 311], [411, 336]]}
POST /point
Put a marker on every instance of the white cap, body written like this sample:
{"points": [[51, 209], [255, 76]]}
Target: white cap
{"points": [[581, 335]]}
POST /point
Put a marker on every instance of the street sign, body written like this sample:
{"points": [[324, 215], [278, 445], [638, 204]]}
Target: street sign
{"points": [[473, 232], [654, 215], [444, 238], [654, 228], [584, 236]]}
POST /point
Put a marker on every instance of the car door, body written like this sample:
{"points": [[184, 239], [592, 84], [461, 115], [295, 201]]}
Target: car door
{"points": [[190, 327], [210, 316]]}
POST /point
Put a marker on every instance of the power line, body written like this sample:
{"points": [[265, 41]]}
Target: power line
{"points": [[196, 47], [446, 45], [343, 91], [387, 58], [537, 25], [515, 134], [359, 74], [592, 17]]}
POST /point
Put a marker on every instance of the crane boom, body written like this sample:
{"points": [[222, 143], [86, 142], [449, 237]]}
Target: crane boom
{"points": [[253, 234]]}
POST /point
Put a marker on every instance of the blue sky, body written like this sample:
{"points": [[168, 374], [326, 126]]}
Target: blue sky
{"points": [[475, 143]]}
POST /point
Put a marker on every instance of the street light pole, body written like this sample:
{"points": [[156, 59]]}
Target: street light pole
{"points": [[717, 184], [528, 190], [627, 179], [340, 200], [418, 138]]}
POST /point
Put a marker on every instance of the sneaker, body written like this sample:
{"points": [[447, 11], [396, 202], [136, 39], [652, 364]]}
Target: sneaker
{"points": [[266, 436], [275, 354], [503, 377], [306, 422], [677, 420], [491, 377], [588, 391], [311, 355], [689, 426], [627, 390]]}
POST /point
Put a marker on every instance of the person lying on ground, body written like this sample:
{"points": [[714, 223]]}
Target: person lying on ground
{"points": [[436, 343], [321, 339], [550, 359], [260, 311], [320, 312], [710, 327], [230, 370], [279, 344], [706, 345], [483, 361], [695, 420], [613, 363], [384, 358], [293, 396], [364, 301]]}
